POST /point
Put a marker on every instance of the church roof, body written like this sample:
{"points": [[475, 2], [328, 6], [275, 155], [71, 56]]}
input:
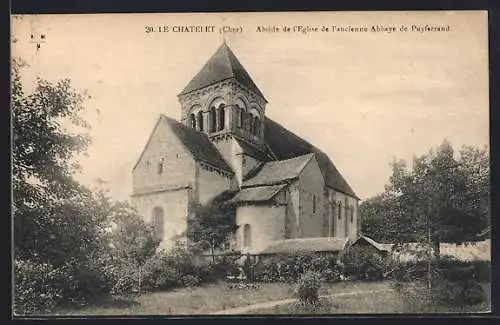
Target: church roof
{"points": [[252, 151], [195, 142], [198, 144], [305, 245], [221, 66], [258, 194], [285, 145], [275, 172]]}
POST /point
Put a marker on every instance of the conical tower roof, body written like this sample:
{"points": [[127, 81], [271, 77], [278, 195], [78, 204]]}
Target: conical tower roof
{"points": [[222, 65]]}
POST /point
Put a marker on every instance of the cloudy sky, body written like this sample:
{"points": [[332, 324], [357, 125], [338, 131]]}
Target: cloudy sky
{"points": [[362, 97]]}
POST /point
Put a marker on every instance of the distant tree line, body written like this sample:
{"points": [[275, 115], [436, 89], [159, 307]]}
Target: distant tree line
{"points": [[441, 197]]}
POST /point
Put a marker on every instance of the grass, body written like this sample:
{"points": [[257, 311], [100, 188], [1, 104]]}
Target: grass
{"points": [[185, 301], [215, 297], [386, 302]]}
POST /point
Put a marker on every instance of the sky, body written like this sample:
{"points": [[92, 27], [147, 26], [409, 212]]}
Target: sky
{"points": [[364, 98]]}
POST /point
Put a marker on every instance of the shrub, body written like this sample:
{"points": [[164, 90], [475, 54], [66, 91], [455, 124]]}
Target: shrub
{"points": [[267, 271], [189, 280], [482, 270], [328, 267], [248, 268], [362, 264], [307, 287], [37, 287], [454, 282]]}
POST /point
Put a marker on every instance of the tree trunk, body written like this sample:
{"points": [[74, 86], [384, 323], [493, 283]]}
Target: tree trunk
{"points": [[436, 246], [429, 254]]}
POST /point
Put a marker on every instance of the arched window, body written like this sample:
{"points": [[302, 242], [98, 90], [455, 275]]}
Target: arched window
{"points": [[221, 120], [314, 203], [257, 126], [242, 118], [192, 120], [339, 210], [237, 111], [213, 119], [332, 221], [158, 222], [200, 121], [247, 236]]}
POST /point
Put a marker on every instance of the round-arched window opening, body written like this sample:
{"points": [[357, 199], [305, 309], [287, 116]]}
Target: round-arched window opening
{"points": [[247, 236], [158, 222], [221, 114]]}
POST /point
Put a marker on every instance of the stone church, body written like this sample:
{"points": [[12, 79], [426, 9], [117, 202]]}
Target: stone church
{"points": [[284, 187]]}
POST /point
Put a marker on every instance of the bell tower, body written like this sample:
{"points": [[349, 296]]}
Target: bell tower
{"points": [[223, 101]]}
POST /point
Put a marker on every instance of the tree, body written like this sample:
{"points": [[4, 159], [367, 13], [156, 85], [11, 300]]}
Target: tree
{"points": [[210, 225], [131, 238], [441, 198], [54, 216], [380, 216]]}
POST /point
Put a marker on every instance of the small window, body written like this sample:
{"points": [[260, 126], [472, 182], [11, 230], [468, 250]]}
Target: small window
{"points": [[339, 210], [314, 203], [160, 166], [227, 246], [192, 118], [351, 210]]}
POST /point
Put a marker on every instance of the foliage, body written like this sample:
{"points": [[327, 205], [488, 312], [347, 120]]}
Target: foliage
{"points": [[379, 215], [131, 238], [62, 242], [36, 287], [363, 264], [210, 225], [442, 197], [307, 287], [54, 216], [454, 282]]}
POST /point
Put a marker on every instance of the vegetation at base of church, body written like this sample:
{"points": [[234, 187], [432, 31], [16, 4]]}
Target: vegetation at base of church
{"points": [[182, 267], [358, 263], [211, 225], [290, 267]]}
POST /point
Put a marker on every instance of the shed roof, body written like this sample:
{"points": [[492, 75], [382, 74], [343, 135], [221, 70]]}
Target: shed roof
{"points": [[274, 172], [258, 194]]}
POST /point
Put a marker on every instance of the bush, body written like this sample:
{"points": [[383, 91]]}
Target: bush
{"points": [[362, 264], [266, 271], [37, 287], [482, 270], [328, 267], [189, 280], [307, 287], [454, 282]]}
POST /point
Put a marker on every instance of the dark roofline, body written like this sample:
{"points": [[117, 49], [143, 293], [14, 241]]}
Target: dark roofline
{"points": [[284, 180], [163, 116]]}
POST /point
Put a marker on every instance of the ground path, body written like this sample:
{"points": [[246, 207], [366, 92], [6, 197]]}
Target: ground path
{"points": [[272, 304]]}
